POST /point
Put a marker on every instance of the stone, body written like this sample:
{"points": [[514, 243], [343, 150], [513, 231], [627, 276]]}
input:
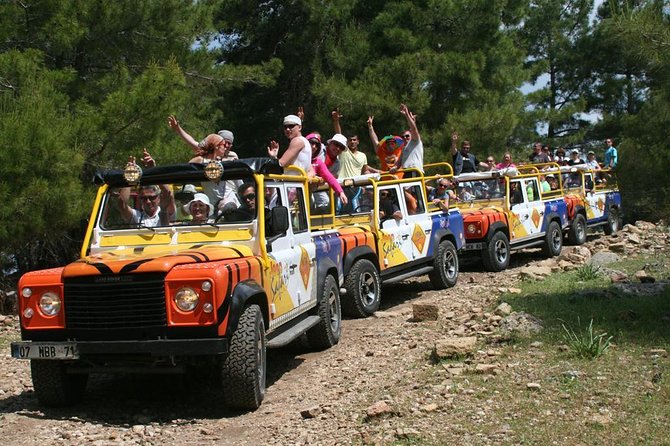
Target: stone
{"points": [[618, 277], [643, 277], [487, 369], [618, 247], [504, 309], [379, 408], [454, 347], [634, 239], [536, 344], [425, 312], [521, 322], [310, 412], [632, 229], [645, 225], [603, 258], [535, 272], [659, 352], [430, 407], [533, 386], [514, 290]]}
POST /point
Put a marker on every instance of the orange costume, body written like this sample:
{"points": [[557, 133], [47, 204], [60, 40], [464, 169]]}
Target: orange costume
{"points": [[389, 151]]}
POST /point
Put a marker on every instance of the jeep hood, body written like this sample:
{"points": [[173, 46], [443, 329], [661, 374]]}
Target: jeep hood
{"points": [[151, 259]]}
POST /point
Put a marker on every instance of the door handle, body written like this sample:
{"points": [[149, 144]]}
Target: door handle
{"points": [[428, 231], [293, 267], [404, 237]]}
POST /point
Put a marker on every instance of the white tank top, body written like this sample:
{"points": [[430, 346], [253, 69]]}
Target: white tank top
{"points": [[304, 159]]}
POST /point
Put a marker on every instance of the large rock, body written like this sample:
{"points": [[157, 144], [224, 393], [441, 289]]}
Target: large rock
{"points": [[535, 272], [645, 225], [379, 408], [521, 323], [454, 347], [618, 247], [503, 309], [425, 312], [603, 258], [632, 229]]}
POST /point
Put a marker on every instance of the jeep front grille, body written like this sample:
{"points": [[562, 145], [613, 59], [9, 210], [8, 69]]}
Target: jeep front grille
{"points": [[129, 301]]}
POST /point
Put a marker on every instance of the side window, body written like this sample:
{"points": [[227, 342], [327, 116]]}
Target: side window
{"points": [[414, 199], [389, 206], [296, 207], [532, 191], [272, 197], [516, 195]]}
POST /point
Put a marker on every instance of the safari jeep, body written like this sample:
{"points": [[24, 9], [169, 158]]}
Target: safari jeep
{"points": [[504, 211], [180, 288], [390, 233], [593, 201]]}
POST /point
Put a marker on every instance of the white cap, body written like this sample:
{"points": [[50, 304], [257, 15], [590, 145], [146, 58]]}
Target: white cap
{"points": [[292, 119], [202, 198], [339, 138]]}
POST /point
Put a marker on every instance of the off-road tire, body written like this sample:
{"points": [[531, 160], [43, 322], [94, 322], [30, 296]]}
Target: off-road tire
{"points": [[363, 290], [496, 256], [327, 332], [445, 266], [577, 231], [553, 240], [243, 370], [55, 387], [613, 224]]}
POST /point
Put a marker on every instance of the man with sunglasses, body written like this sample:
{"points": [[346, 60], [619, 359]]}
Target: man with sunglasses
{"points": [[463, 160], [412, 153], [442, 193], [151, 198], [353, 162]]}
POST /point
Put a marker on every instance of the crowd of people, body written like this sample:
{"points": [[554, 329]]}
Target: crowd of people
{"points": [[339, 157]]}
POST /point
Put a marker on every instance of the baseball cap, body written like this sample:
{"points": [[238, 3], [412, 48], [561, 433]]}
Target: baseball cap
{"points": [[227, 135]]}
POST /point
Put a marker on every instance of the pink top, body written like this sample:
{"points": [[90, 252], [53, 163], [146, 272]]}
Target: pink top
{"points": [[503, 165], [321, 170]]}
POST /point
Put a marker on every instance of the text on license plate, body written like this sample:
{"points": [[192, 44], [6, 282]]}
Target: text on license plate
{"points": [[44, 351]]}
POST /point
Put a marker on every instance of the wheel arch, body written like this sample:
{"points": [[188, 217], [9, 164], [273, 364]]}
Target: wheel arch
{"points": [[325, 267], [359, 252], [496, 227], [246, 293]]}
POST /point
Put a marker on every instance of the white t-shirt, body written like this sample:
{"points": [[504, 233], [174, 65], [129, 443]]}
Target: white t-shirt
{"points": [[149, 222], [304, 159], [412, 155]]}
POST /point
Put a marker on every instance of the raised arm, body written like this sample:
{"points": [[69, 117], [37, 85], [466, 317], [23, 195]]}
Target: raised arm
{"points": [[454, 143], [372, 133], [411, 122], [335, 116], [188, 139]]}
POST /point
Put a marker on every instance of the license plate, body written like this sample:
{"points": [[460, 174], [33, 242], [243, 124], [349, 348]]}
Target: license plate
{"points": [[44, 350], [474, 246]]}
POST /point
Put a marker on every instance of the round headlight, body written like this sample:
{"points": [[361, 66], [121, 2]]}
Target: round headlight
{"points": [[472, 228], [26, 292], [206, 285], [186, 299], [50, 303], [28, 313]]}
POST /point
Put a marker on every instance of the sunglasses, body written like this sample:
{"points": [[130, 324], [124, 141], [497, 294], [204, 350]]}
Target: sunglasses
{"points": [[442, 185], [289, 126], [407, 136], [314, 142], [249, 197], [149, 197], [490, 161]]}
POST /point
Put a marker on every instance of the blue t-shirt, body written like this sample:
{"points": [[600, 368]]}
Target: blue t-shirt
{"points": [[611, 156]]}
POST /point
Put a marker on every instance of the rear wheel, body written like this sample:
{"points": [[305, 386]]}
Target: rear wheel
{"points": [[327, 332], [553, 240], [363, 289], [496, 255], [612, 224], [244, 369], [54, 386], [445, 266], [577, 232]]}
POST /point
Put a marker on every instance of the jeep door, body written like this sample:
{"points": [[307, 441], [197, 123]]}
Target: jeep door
{"points": [[395, 238], [293, 276], [595, 210], [419, 221], [526, 215]]}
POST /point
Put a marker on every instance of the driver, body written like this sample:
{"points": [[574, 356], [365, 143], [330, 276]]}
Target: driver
{"points": [[151, 198]]}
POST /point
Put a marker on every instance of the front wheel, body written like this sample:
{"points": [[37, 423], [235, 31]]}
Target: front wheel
{"points": [[445, 266], [363, 289], [577, 232], [327, 332], [612, 224], [54, 386], [496, 256], [553, 240], [244, 369]]}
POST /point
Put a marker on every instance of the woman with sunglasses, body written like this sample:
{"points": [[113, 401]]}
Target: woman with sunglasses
{"points": [[321, 199]]}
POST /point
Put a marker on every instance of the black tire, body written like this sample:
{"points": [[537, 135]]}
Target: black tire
{"points": [[496, 256], [55, 387], [327, 332], [243, 371], [363, 290], [445, 266], [613, 222], [577, 232], [553, 240]]}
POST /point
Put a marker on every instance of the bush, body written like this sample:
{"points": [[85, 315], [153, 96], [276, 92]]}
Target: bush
{"points": [[584, 343]]}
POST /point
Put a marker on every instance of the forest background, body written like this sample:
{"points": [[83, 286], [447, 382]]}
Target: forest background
{"points": [[86, 83]]}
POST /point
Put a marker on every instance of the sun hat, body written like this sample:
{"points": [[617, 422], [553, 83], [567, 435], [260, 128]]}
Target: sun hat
{"points": [[339, 138], [292, 119], [591, 152], [202, 198], [226, 134]]}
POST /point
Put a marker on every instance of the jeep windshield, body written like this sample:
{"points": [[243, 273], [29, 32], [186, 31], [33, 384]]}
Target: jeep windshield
{"points": [[179, 204], [484, 189]]}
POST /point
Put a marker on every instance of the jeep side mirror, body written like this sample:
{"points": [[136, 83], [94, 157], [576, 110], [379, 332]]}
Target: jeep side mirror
{"points": [[277, 225]]}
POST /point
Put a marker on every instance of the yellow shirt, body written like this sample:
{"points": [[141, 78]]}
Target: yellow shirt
{"points": [[351, 163]]}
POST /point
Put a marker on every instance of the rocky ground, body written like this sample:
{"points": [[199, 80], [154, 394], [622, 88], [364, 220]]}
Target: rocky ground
{"points": [[380, 385]]}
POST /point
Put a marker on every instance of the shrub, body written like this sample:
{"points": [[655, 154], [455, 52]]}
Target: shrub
{"points": [[588, 272], [585, 343]]}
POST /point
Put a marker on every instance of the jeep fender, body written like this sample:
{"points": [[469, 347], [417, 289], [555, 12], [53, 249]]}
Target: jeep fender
{"points": [[552, 216], [495, 227], [441, 234], [324, 268], [245, 292], [363, 251]]}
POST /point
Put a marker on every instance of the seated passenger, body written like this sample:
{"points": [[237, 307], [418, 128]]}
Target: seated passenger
{"points": [[247, 210], [151, 213], [544, 183], [442, 193], [199, 208], [466, 194], [321, 198], [388, 207], [553, 182], [517, 195], [410, 201]]}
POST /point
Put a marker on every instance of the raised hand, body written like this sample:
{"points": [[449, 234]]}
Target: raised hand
{"points": [[335, 114], [173, 123], [370, 120], [301, 113], [273, 149], [147, 159]]}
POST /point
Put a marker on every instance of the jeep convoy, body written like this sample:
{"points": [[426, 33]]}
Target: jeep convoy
{"points": [[170, 277]]}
